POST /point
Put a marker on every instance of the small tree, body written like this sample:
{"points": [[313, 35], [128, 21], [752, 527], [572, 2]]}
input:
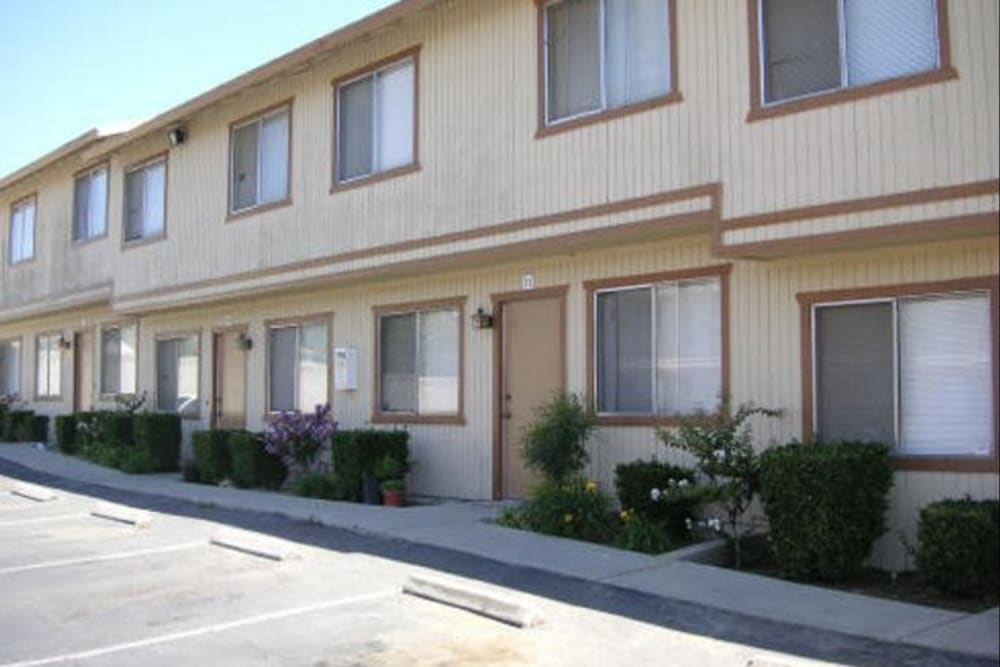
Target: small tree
{"points": [[299, 438], [722, 445], [554, 443]]}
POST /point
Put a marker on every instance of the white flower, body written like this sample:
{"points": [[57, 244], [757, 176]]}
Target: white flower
{"points": [[715, 524], [671, 482], [720, 455], [654, 494], [682, 483], [687, 522]]}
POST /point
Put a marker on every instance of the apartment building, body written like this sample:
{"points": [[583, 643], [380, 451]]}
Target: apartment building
{"points": [[435, 216]]}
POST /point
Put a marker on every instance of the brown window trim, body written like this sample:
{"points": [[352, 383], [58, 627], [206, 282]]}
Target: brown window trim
{"points": [[106, 164], [105, 326], [945, 71], [142, 164], [232, 215], [175, 335], [325, 318], [989, 463], [33, 197], [378, 176], [721, 271], [38, 396], [379, 417], [546, 128]]}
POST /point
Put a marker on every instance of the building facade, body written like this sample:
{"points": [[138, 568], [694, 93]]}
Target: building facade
{"points": [[436, 216]]}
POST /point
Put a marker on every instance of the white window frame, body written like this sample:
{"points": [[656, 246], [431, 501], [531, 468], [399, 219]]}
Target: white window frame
{"points": [[152, 162], [16, 207], [595, 337], [298, 326], [603, 29], [373, 75], [897, 446], [50, 341], [17, 345], [259, 121], [89, 176], [417, 312], [844, 75]]}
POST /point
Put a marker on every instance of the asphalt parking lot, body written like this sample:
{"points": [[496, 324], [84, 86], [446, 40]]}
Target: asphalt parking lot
{"points": [[80, 589]]}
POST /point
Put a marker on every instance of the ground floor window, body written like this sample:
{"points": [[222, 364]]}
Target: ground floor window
{"points": [[419, 362], [913, 371], [298, 366], [10, 367], [658, 347], [118, 359], [48, 366], [177, 376]]}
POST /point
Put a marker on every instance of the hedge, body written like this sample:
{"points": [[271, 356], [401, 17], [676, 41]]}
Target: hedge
{"points": [[34, 429], [251, 465], [65, 432], [826, 505], [356, 452], [13, 424], [211, 455], [158, 436], [958, 546], [635, 480]]}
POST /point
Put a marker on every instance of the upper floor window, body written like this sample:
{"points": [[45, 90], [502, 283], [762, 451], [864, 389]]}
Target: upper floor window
{"points": [[21, 241], [298, 366], [259, 157], [658, 348], [145, 200], [376, 115], [815, 46], [48, 366], [118, 359], [10, 367], [90, 204], [604, 54], [419, 362]]}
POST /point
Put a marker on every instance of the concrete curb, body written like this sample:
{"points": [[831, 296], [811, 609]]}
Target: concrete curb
{"points": [[122, 514], [253, 544], [484, 604], [33, 492]]}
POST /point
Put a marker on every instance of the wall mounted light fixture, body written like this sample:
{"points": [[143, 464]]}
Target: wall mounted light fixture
{"points": [[481, 319], [177, 135], [244, 341], [65, 343]]}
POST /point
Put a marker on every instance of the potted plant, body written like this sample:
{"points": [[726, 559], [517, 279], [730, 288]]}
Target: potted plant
{"points": [[390, 471], [393, 491]]}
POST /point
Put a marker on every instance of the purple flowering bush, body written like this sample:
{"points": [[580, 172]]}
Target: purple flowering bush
{"points": [[300, 439]]}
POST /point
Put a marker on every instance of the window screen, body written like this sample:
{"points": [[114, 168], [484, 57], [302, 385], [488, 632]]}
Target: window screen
{"points": [[624, 357], [573, 43], [90, 204], [145, 199], [419, 362], [298, 367], [260, 161]]}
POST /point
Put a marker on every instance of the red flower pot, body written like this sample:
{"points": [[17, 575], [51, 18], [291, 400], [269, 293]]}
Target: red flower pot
{"points": [[393, 498]]}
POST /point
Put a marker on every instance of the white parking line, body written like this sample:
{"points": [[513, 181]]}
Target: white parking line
{"points": [[43, 519], [197, 632], [103, 557]]}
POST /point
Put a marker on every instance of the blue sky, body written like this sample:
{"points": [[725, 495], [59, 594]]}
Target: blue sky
{"points": [[67, 66]]}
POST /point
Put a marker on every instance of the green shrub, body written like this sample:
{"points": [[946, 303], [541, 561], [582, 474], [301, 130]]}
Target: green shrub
{"points": [[16, 425], [251, 465], [316, 485], [85, 430], [575, 509], [959, 546], [137, 461], [354, 453], [640, 534], [826, 505], [65, 428], [658, 492], [33, 428], [158, 437], [211, 455], [554, 442]]}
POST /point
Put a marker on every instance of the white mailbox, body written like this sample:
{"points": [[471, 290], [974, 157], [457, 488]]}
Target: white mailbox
{"points": [[345, 369]]}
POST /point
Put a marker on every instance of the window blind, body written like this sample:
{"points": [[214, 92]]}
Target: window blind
{"points": [[282, 345], [624, 357], [889, 38], [573, 46], [637, 47], [273, 158], [437, 368], [245, 166], [355, 139], [395, 92]]}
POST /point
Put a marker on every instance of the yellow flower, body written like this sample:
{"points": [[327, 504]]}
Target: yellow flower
{"points": [[624, 515], [591, 486], [568, 518]]}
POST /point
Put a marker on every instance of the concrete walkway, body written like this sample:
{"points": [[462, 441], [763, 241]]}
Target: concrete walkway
{"points": [[466, 527]]}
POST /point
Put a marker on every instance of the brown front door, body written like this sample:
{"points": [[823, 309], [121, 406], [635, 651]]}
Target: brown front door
{"points": [[229, 386], [532, 362], [83, 371]]}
